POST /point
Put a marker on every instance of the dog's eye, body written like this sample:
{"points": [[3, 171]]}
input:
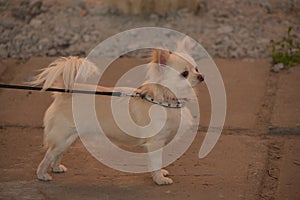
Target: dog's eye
{"points": [[196, 69], [185, 74]]}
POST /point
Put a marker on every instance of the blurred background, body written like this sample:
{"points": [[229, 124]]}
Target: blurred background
{"points": [[226, 28]]}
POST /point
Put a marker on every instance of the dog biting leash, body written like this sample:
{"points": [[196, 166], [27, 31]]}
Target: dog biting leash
{"points": [[116, 94]]}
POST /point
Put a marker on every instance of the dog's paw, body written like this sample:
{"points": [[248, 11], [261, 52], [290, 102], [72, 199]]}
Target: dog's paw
{"points": [[164, 172], [163, 180], [59, 169], [160, 178], [44, 177]]}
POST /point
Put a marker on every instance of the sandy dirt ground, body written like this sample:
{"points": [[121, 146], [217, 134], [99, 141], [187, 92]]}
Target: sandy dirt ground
{"points": [[257, 156]]}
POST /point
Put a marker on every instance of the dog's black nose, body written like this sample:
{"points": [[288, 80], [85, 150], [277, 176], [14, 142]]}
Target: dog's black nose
{"points": [[200, 78]]}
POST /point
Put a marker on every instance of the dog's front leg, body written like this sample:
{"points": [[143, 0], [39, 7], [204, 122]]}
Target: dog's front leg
{"points": [[155, 163]]}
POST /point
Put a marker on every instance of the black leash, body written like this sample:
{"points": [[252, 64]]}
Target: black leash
{"points": [[22, 87], [117, 94]]}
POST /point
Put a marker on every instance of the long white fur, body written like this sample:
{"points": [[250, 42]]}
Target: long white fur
{"points": [[64, 71], [60, 131]]}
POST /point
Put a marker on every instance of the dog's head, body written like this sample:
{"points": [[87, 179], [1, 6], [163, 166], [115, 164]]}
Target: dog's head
{"points": [[174, 70]]}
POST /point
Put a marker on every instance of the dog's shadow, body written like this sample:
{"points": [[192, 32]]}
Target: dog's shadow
{"points": [[125, 187]]}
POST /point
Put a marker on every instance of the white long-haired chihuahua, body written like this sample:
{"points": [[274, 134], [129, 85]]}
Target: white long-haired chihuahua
{"points": [[160, 89]]}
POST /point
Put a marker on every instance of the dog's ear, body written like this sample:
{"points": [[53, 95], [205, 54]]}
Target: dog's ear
{"points": [[160, 56], [185, 45]]}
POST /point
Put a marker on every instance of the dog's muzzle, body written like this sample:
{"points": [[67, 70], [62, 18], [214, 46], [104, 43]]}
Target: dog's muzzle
{"points": [[200, 77]]}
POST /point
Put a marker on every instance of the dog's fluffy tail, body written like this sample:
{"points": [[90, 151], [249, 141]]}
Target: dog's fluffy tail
{"points": [[63, 72]]}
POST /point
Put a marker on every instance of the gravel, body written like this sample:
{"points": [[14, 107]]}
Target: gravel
{"points": [[226, 28]]}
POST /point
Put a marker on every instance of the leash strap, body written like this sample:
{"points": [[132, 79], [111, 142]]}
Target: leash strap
{"points": [[22, 87], [117, 94]]}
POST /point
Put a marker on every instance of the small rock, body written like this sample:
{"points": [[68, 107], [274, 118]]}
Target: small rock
{"points": [[44, 44], [35, 7], [86, 38], [154, 17], [8, 24], [52, 52], [277, 67], [83, 12], [36, 23], [19, 13], [3, 51], [3, 3], [27, 10], [296, 162], [168, 192], [100, 10], [224, 29], [183, 12], [75, 39], [263, 41], [79, 4]]}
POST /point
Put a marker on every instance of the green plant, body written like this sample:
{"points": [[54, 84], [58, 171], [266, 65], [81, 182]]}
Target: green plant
{"points": [[287, 50]]}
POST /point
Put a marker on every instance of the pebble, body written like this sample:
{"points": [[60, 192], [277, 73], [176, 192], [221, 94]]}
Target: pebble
{"points": [[36, 23], [233, 30], [8, 24], [99, 10], [224, 29], [277, 67], [154, 17], [44, 44], [3, 51], [75, 38], [3, 3], [26, 10], [86, 38], [52, 52]]}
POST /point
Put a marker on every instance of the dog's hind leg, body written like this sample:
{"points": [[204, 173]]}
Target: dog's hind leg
{"points": [[56, 166], [42, 169], [54, 154]]}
